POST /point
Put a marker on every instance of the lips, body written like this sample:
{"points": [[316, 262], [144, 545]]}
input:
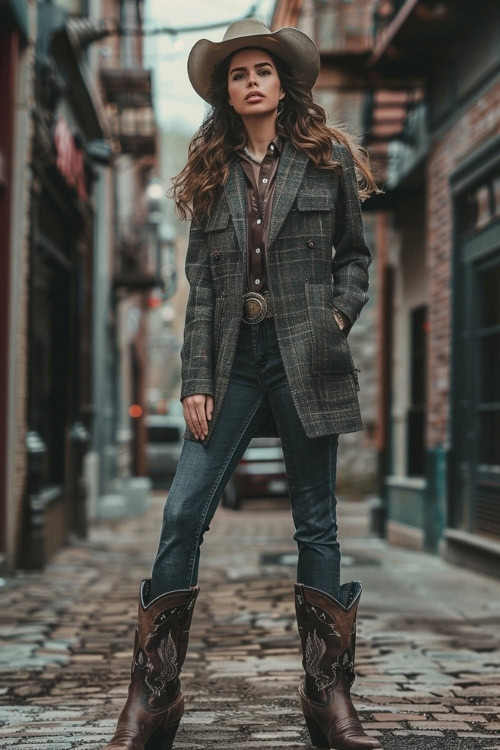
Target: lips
{"points": [[254, 95]]}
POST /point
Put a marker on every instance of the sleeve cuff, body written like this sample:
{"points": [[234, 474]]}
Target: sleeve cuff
{"points": [[192, 387]]}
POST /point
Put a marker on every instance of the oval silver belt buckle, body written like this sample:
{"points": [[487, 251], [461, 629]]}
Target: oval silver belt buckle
{"points": [[254, 307]]}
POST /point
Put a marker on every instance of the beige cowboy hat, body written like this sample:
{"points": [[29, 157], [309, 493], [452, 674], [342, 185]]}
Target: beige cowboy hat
{"points": [[290, 44]]}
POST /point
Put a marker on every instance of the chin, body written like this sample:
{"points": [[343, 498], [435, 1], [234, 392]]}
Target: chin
{"points": [[257, 109]]}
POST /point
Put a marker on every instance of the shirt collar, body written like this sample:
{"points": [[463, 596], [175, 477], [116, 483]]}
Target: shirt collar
{"points": [[277, 142]]}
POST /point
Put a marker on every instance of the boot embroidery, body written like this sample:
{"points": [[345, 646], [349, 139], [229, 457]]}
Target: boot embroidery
{"points": [[326, 619], [346, 660], [315, 650], [167, 653], [168, 656]]}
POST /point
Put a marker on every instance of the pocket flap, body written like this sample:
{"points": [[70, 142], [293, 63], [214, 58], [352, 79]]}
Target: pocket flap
{"points": [[315, 202], [218, 220]]}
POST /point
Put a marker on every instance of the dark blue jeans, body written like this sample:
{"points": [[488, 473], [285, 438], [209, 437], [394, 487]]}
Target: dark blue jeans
{"points": [[258, 383]]}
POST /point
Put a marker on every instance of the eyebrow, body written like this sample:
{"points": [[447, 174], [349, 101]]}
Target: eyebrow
{"points": [[257, 65]]}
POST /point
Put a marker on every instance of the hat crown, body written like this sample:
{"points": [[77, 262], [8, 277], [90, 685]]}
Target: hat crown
{"points": [[245, 27]]}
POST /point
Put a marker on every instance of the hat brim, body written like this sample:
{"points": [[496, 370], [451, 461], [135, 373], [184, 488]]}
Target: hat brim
{"points": [[288, 43]]}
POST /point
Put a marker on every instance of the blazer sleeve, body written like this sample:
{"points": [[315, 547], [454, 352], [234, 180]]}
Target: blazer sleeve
{"points": [[352, 255], [196, 352]]}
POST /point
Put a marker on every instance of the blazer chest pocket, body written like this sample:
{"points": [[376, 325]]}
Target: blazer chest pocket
{"points": [[218, 220], [314, 201], [219, 229], [331, 352], [223, 250], [308, 219]]}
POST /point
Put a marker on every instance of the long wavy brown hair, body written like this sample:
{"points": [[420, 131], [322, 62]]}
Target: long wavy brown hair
{"points": [[212, 148]]}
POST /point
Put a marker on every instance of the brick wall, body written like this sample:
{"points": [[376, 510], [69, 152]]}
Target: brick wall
{"points": [[467, 132]]}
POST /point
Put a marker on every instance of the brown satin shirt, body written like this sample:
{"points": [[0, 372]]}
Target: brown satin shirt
{"points": [[260, 181]]}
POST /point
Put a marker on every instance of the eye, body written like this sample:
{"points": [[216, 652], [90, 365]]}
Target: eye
{"points": [[267, 72]]}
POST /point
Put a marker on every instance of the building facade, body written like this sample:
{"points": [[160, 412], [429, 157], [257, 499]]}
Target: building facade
{"points": [[17, 42], [77, 155], [429, 75], [442, 489]]}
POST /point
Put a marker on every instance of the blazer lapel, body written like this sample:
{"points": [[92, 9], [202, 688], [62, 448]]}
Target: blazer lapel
{"points": [[235, 192], [289, 176], [293, 164]]}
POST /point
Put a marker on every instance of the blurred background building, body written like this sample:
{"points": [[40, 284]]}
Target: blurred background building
{"points": [[93, 286], [80, 258], [419, 81], [17, 23]]}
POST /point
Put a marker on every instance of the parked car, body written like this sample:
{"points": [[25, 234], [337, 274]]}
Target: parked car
{"points": [[260, 473], [163, 449], [163, 446]]}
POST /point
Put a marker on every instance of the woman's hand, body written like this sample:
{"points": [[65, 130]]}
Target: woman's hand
{"points": [[339, 317], [198, 410]]}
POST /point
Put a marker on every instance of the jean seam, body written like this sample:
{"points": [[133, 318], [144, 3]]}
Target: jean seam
{"points": [[216, 485], [331, 490], [330, 477]]}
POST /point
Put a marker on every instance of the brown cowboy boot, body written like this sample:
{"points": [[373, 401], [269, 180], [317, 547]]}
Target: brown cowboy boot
{"points": [[327, 629], [155, 703]]}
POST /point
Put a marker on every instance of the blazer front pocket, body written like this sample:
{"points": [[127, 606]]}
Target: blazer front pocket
{"points": [[331, 352]]}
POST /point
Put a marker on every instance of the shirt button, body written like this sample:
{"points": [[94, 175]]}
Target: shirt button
{"points": [[264, 180], [311, 244], [271, 147], [257, 281], [259, 221], [257, 249]]}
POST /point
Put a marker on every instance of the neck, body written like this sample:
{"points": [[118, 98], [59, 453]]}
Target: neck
{"points": [[260, 131]]}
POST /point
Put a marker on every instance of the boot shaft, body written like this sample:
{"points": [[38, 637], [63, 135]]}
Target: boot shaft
{"points": [[332, 616], [161, 643], [327, 629]]}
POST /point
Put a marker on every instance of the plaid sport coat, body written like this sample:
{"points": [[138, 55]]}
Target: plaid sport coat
{"points": [[313, 210]]}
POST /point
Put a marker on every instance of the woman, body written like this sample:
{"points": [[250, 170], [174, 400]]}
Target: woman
{"points": [[270, 189]]}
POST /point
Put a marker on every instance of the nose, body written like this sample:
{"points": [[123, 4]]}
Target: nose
{"points": [[252, 79]]}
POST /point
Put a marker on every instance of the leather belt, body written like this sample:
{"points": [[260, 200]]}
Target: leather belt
{"points": [[256, 307]]}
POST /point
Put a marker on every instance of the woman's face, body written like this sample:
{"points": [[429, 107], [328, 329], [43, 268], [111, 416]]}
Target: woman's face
{"points": [[253, 84]]}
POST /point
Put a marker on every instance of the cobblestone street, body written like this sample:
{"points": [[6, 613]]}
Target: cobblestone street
{"points": [[427, 657]]}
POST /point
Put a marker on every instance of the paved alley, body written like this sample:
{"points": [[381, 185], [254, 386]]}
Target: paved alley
{"points": [[427, 658]]}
